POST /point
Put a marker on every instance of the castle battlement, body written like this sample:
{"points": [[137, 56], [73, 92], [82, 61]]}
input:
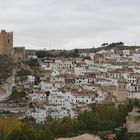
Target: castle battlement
{"points": [[6, 43]]}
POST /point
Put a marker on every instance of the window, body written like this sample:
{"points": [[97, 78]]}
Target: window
{"points": [[119, 86], [124, 86]]}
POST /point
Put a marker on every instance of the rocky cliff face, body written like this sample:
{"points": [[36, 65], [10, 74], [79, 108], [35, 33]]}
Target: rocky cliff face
{"points": [[6, 87], [133, 120], [7, 75]]}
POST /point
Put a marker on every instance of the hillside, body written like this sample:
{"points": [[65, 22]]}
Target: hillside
{"points": [[118, 46], [6, 67], [75, 52]]}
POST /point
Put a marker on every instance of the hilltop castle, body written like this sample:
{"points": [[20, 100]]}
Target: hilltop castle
{"points": [[6, 43], [6, 47]]}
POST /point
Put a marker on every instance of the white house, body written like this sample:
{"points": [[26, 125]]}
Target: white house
{"points": [[132, 87], [136, 70], [30, 79], [113, 67], [38, 96], [56, 99], [84, 79], [32, 56], [119, 73], [83, 54], [55, 73], [46, 85], [126, 52], [59, 112], [91, 55], [89, 62], [136, 58], [39, 115], [75, 99], [59, 65], [69, 64], [115, 56], [134, 95], [81, 98], [90, 87], [81, 70], [58, 78], [131, 78], [45, 66], [106, 82]]}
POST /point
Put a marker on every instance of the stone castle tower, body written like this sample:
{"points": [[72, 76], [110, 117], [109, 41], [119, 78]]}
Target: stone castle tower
{"points": [[122, 91], [6, 43]]}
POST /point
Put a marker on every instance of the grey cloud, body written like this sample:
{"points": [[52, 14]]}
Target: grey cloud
{"points": [[70, 23]]}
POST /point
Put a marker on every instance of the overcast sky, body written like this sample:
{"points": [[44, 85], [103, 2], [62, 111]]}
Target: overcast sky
{"points": [[67, 24]]}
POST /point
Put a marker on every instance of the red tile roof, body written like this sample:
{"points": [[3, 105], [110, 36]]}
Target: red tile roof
{"points": [[39, 92]]}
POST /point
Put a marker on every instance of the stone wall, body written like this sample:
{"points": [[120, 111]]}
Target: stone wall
{"points": [[19, 54]]}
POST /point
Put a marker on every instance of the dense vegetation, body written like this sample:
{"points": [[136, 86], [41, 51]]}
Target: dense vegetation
{"points": [[17, 96], [32, 62], [114, 45], [54, 54], [6, 67], [101, 118], [133, 136], [7, 126], [75, 52], [22, 73]]}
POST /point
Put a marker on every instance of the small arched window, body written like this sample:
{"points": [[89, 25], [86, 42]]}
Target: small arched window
{"points": [[119, 86]]}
